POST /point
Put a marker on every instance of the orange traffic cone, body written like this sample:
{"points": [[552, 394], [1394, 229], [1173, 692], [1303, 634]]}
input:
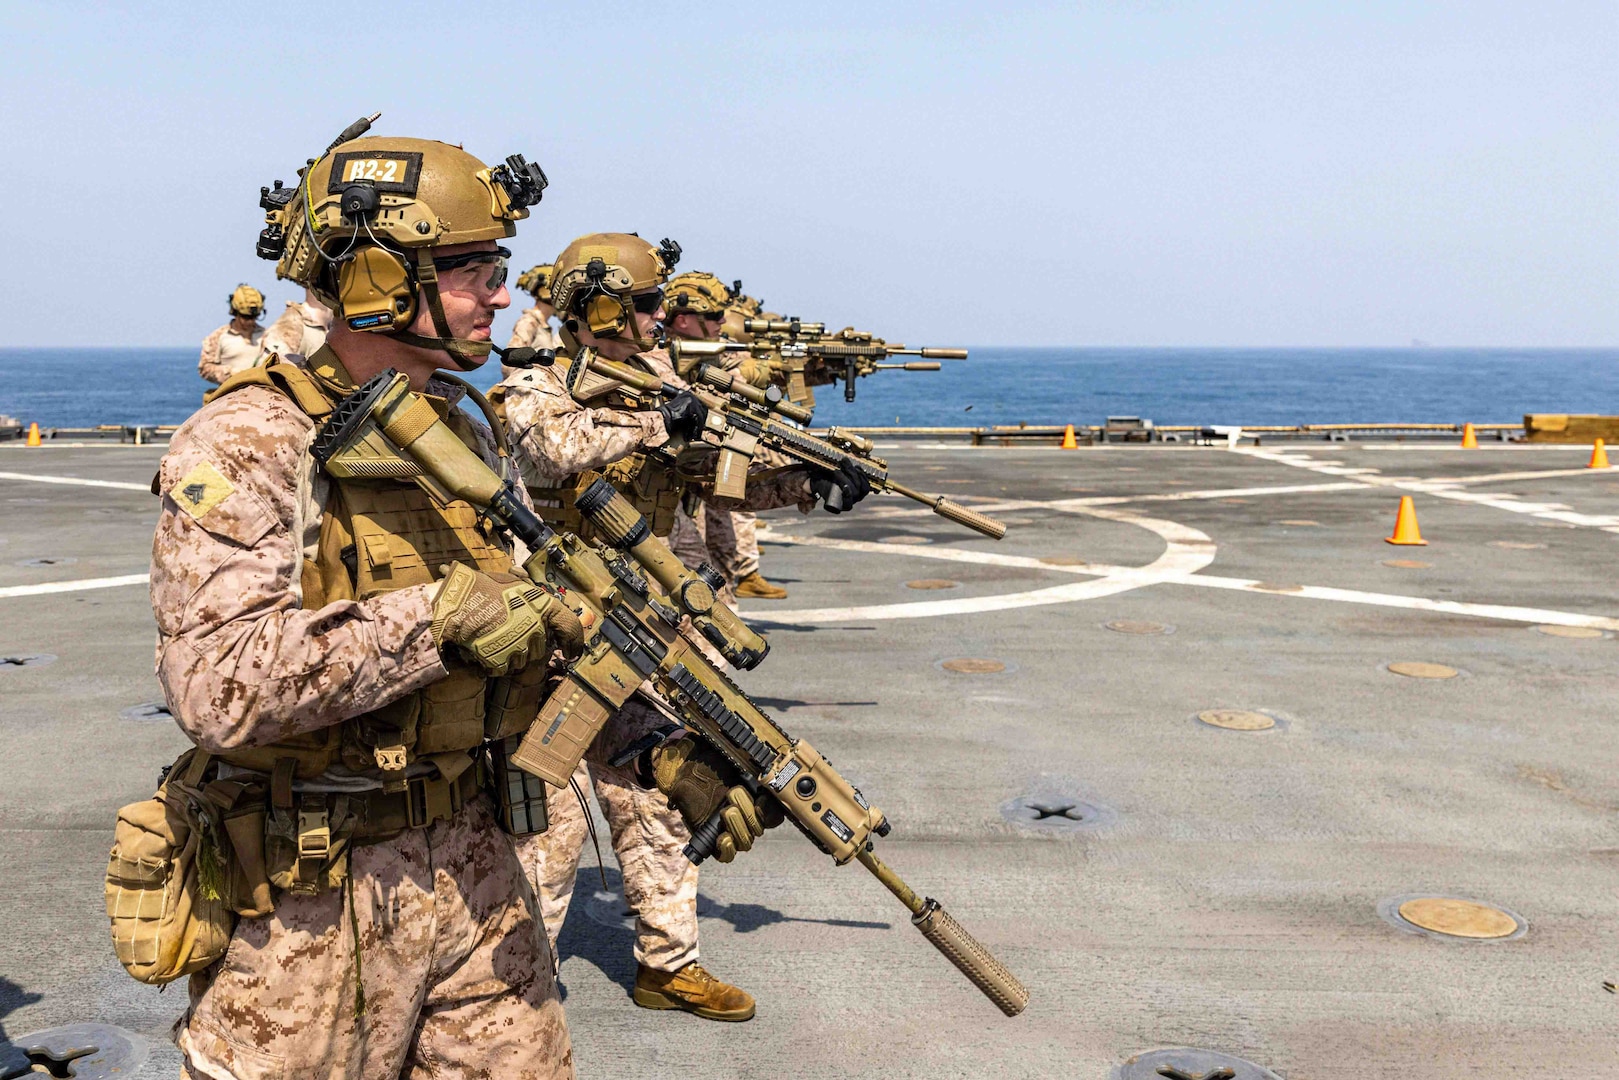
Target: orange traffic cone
{"points": [[1599, 456], [1405, 526], [1068, 440], [1469, 437], [33, 435]]}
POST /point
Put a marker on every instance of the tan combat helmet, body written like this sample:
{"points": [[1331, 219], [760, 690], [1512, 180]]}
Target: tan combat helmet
{"points": [[360, 228], [536, 281], [697, 293], [600, 279], [247, 302]]}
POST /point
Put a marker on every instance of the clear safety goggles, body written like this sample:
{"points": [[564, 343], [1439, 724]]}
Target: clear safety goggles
{"points": [[498, 261]]}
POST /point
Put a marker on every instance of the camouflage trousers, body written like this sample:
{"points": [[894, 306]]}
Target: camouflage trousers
{"points": [[456, 974], [660, 883], [733, 538], [727, 541]]}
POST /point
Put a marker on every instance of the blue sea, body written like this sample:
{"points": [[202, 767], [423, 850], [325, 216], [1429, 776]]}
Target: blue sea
{"points": [[84, 387]]}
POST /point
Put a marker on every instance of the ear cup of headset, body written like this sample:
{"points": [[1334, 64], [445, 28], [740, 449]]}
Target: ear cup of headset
{"points": [[604, 315], [376, 290]]}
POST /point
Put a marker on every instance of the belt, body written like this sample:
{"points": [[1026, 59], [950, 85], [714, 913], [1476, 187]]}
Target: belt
{"points": [[426, 799]]}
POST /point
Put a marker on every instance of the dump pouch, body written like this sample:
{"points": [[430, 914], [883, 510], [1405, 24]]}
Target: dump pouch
{"points": [[167, 880]]}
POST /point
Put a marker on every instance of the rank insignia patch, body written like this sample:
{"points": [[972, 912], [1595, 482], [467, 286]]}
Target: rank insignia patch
{"points": [[200, 490]]}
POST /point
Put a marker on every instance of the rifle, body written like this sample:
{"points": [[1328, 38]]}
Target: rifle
{"points": [[630, 593], [849, 354], [743, 418]]}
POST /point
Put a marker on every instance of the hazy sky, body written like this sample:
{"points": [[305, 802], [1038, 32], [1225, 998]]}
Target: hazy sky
{"points": [[1097, 173]]}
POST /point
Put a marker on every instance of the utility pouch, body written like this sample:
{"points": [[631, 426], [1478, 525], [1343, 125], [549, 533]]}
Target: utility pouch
{"points": [[519, 795], [250, 894], [514, 701], [167, 879], [306, 843]]}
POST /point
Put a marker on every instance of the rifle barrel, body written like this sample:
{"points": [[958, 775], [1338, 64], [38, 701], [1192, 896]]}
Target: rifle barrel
{"points": [[949, 937], [953, 511], [928, 353]]}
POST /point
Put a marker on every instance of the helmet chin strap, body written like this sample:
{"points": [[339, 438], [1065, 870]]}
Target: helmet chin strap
{"points": [[465, 354]]}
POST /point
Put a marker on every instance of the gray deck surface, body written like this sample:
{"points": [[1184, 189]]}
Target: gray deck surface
{"points": [[1231, 903]]}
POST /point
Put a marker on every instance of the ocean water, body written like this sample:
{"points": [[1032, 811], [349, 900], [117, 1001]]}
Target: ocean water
{"points": [[84, 387]]}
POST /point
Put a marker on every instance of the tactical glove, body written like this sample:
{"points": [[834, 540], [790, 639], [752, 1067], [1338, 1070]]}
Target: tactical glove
{"points": [[500, 622], [698, 781], [840, 488], [684, 415]]}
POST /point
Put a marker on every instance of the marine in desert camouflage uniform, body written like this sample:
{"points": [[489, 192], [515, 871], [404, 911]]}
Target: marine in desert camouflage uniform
{"points": [[696, 308], [309, 640], [237, 344], [300, 330], [608, 288]]}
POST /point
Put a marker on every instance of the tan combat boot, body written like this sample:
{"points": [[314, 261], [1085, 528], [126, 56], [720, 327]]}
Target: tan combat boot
{"points": [[691, 988], [755, 587]]}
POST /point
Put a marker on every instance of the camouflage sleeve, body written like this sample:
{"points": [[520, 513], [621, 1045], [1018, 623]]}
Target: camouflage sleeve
{"points": [[240, 661], [208, 365], [820, 373], [774, 481], [523, 332], [557, 437], [771, 488]]}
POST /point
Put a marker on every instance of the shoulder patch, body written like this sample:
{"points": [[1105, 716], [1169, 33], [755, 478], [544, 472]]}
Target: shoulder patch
{"points": [[200, 490]]}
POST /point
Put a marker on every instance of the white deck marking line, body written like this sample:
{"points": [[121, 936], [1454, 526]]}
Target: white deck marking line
{"points": [[79, 481], [925, 551], [1504, 612], [1079, 504], [1441, 489], [1502, 477], [72, 586], [1126, 578], [1186, 551]]}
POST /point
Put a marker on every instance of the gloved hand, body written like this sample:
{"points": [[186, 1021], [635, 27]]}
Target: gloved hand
{"points": [[698, 781], [566, 631], [840, 488], [684, 414], [499, 621]]}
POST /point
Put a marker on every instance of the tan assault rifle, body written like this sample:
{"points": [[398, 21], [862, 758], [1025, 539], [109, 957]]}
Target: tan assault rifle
{"points": [[631, 592], [744, 419], [810, 356]]}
